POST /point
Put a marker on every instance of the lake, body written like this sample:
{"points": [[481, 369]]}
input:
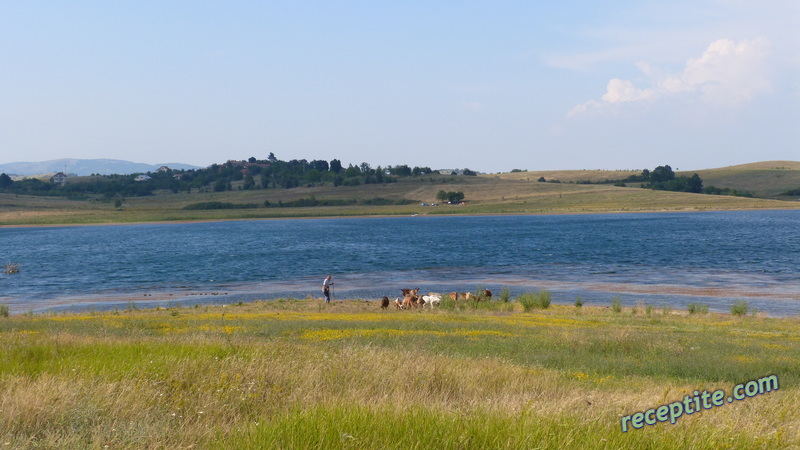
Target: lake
{"points": [[671, 259]]}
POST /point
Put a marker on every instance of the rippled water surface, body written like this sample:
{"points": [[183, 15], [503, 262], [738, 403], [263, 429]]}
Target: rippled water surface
{"points": [[660, 259]]}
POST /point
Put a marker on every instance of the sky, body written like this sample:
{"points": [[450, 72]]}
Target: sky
{"points": [[490, 86]]}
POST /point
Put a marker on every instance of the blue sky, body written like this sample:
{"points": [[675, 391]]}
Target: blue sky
{"points": [[491, 86]]}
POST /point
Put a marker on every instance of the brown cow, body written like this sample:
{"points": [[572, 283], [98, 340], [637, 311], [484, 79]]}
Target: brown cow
{"points": [[407, 292], [385, 302], [454, 296], [488, 294], [409, 302]]}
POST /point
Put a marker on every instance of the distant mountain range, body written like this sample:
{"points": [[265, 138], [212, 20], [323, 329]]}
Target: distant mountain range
{"points": [[82, 167]]}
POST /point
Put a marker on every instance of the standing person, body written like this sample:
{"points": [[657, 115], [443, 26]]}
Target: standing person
{"points": [[326, 288]]}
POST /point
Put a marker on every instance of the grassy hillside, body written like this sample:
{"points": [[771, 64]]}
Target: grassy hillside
{"points": [[765, 179], [509, 193]]}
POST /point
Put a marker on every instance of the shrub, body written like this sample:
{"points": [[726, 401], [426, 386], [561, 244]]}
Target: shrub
{"points": [[219, 205], [505, 295], [479, 293], [530, 300], [579, 302], [4, 311], [739, 308], [544, 299], [447, 303], [616, 304], [698, 308]]}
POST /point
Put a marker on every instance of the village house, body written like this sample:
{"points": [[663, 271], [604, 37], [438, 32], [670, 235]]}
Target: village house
{"points": [[60, 178]]}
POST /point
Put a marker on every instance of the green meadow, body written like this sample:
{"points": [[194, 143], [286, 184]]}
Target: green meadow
{"points": [[303, 374]]}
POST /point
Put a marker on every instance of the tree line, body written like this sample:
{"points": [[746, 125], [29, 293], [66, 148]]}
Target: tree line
{"points": [[253, 173]]}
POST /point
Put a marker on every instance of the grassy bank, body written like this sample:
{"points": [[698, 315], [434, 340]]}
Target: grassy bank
{"points": [[302, 374]]}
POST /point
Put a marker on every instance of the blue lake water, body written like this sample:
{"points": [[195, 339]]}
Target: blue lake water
{"points": [[670, 259]]}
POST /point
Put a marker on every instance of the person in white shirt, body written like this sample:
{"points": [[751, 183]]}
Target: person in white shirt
{"points": [[326, 288]]}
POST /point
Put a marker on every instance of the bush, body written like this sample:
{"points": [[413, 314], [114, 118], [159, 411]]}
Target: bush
{"points": [[379, 201], [505, 295], [616, 304], [739, 308], [544, 299], [530, 300], [579, 302], [4, 311], [447, 303], [219, 205], [698, 308]]}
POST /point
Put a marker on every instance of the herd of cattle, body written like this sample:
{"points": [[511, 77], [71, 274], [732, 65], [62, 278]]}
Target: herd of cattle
{"points": [[412, 300]]}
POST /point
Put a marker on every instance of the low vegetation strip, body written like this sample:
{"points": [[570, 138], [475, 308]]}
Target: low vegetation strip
{"points": [[303, 374], [219, 205]]}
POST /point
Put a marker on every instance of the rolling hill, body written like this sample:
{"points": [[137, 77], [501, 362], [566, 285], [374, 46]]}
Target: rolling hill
{"points": [[505, 193], [83, 167]]}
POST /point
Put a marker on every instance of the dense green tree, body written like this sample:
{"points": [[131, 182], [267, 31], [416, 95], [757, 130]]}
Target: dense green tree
{"points": [[662, 174], [400, 171], [455, 197], [452, 197], [249, 182], [5, 181], [320, 165], [695, 184]]}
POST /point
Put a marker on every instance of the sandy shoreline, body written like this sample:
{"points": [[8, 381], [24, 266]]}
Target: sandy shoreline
{"points": [[563, 293]]}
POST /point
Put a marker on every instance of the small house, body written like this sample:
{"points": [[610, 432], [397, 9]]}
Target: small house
{"points": [[60, 178]]}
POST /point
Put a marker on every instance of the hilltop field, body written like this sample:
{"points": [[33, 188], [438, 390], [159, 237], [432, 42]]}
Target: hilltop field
{"points": [[561, 192]]}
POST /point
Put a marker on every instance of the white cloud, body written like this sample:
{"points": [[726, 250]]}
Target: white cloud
{"points": [[728, 73], [622, 91]]}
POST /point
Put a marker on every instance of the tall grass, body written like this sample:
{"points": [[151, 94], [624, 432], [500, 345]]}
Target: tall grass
{"points": [[301, 374], [616, 304]]}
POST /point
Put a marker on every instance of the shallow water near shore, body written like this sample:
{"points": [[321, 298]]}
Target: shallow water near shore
{"points": [[661, 259]]}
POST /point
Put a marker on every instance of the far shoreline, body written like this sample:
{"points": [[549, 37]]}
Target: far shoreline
{"points": [[386, 216]]}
